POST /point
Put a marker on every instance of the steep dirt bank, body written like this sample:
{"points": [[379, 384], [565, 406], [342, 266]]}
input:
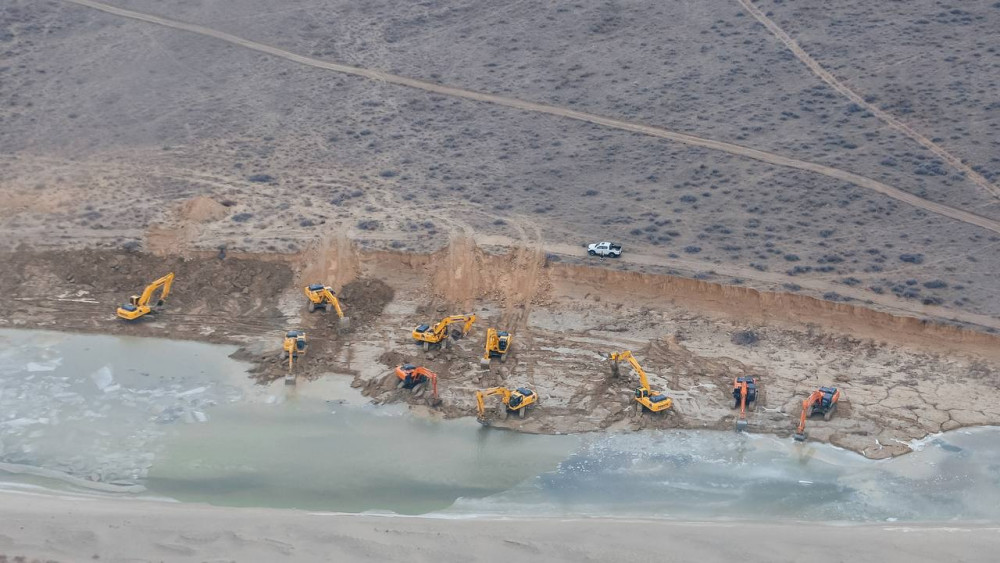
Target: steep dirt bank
{"points": [[902, 377]]}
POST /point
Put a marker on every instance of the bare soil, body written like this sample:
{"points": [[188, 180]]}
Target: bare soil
{"points": [[902, 378]]}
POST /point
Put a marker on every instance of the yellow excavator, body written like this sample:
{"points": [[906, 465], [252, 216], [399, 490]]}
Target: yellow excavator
{"points": [[138, 305], [295, 345], [516, 400], [645, 398], [437, 335], [497, 346], [322, 297]]}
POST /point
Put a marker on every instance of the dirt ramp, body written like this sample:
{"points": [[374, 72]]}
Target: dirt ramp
{"points": [[463, 273], [332, 261]]}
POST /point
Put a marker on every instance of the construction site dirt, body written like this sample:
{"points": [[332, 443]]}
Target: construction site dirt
{"points": [[901, 377]]}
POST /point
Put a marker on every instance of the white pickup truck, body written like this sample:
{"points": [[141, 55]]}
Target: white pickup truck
{"points": [[605, 249]]}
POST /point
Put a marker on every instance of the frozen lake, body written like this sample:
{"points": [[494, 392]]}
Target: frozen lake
{"points": [[141, 417]]}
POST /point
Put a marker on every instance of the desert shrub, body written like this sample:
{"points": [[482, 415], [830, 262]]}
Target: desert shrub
{"points": [[368, 225], [744, 338], [935, 284], [591, 193], [387, 173], [242, 217], [791, 286], [692, 249], [261, 178], [132, 246], [792, 257], [912, 258], [306, 223]]}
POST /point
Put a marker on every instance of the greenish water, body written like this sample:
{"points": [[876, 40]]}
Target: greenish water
{"points": [[182, 420]]}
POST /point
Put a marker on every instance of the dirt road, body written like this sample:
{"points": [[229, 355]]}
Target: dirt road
{"points": [[858, 99], [763, 156]]}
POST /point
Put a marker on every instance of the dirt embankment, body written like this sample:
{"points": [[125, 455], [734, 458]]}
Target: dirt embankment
{"points": [[902, 378]]}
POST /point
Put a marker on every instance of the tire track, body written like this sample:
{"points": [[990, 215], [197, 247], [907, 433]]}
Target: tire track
{"points": [[888, 119], [738, 150]]}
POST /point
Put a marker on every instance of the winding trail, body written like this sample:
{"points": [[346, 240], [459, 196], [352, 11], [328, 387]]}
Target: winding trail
{"points": [[763, 156], [839, 86]]}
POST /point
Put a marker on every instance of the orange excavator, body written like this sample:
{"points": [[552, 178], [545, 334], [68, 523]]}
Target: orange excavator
{"points": [[415, 379], [821, 401], [744, 393]]}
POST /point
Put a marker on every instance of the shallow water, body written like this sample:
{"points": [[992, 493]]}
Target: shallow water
{"points": [[182, 420]]}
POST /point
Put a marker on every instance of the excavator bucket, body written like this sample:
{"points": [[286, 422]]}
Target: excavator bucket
{"points": [[345, 324], [741, 425], [484, 363], [799, 436]]}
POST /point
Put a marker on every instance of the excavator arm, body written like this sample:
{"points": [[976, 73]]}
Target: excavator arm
{"points": [[831, 394], [626, 355], [492, 343], [166, 282], [424, 372], [481, 395], [806, 408], [742, 390], [442, 326]]}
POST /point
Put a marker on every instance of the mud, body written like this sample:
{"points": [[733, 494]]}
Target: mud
{"points": [[901, 377]]}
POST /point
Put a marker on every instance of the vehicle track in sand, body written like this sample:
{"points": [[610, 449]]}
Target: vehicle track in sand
{"points": [[515, 103], [858, 99]]}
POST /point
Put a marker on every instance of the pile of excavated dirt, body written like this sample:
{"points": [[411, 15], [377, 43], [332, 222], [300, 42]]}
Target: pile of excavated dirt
{"points": [[364, 299], [210, 299], [202, 209]]}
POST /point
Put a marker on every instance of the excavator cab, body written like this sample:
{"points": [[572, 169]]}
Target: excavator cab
{"points": [[497, 346], [138, 305], [822, 401], [322, 297]]}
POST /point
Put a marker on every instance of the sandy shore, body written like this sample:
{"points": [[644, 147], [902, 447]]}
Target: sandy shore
{"points": [[64, 529]]}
